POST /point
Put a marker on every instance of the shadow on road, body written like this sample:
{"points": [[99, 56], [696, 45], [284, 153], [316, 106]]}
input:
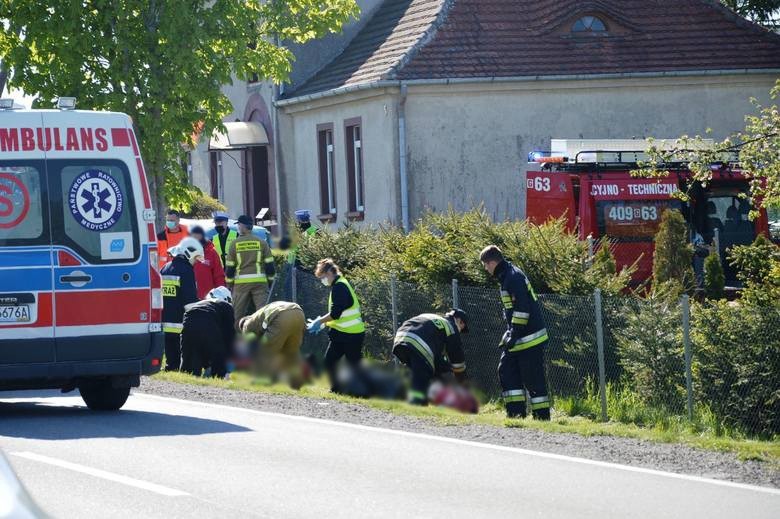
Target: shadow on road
{"points": [[41, 421]]}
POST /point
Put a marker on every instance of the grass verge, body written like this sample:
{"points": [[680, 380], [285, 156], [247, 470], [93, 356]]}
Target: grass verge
{"points": [[566, 418]]}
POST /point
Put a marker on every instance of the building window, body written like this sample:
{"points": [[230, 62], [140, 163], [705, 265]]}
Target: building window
{"points": [[589, 24], [327, 172], [354, 154]]}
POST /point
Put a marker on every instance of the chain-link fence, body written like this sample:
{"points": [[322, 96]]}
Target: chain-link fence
{"points": [[617, 357]]}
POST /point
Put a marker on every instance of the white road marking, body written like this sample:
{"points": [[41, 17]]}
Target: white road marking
{"points": [[110, 476], [456, 441]]}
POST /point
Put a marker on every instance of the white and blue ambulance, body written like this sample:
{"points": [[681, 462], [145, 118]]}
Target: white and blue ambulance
{"points": [[80, 296]]}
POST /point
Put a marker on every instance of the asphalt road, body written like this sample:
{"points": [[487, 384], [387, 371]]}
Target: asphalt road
{"points": [[171, 458]]}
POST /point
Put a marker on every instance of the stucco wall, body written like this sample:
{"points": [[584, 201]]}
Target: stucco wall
{"points": [[380, 157], [468, 144], [239, 93]]}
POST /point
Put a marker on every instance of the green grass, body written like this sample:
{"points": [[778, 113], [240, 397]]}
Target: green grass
{"points": [[573, 416]]}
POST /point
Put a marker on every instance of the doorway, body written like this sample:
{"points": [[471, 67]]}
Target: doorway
{"points": [[257, 192]]}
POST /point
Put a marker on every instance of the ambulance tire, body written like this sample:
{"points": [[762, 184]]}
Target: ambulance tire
{"points": [[102, 396]]}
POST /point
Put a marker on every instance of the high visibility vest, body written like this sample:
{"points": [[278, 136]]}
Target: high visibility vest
{"points": [[351, 320], [293, 254], [231, 235]]}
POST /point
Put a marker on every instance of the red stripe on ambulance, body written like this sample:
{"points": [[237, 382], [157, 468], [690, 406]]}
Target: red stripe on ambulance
{"points": [[87, 307]]}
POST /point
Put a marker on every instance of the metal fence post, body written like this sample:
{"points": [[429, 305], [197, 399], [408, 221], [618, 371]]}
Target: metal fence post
{"points": [[455, 299], [294, 284], [591, 250], [686, 323], [600, 350], [394, 302]]}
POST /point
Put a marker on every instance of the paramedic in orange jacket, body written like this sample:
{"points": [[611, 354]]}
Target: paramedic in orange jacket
{"points": [[171, 236]]}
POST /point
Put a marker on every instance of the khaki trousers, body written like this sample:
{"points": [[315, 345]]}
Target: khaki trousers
{"points": [[246, 293]]}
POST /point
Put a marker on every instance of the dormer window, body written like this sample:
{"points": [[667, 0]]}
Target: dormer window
{"points": [[589, 25]]}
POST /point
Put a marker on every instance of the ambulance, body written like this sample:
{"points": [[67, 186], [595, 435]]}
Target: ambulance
{"points": [[589, 183], [80, 294]]}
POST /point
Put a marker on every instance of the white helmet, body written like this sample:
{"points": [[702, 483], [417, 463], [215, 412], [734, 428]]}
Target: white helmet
{"points": [[191, 249], [220, 294]]}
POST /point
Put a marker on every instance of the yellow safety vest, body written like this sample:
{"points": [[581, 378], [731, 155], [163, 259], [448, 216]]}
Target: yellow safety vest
{"points": [[231, 235], [351, 320]]}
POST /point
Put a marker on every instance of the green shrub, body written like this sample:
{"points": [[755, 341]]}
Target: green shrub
{"points": [[673, 256], [714, 278], [201, 205], [445, 246], [737, 365], [758, 267], [651, 349]]}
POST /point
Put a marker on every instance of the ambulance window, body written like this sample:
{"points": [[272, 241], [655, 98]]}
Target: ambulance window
{"points": [[97, 212], [22, 215]]}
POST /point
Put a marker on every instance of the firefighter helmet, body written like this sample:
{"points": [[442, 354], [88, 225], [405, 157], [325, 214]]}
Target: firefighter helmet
{"points": [[220, 294], [191, 249]]}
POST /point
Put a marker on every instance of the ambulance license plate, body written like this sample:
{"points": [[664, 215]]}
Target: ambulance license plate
{"points": [[15, 314]]}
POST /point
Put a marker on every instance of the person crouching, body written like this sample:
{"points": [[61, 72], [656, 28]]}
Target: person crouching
{"points": [[208, 334], [278, 330]]}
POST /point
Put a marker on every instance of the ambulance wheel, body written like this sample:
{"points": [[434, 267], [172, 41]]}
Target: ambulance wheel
{"points": [[102, 396]]}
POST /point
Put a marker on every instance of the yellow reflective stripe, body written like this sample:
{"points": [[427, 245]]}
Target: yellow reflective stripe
{"points": [[513, 395], [517, 320], [530, 340], [230, 263], [247, 280], [418, 343], [247, 246], [345, 323], [269, 259], [172, 327]]}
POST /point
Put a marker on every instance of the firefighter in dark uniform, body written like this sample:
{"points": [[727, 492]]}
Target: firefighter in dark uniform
{"points": [[344, 319], [430, 346], [179, 291], [522, 361], [208, 334]]}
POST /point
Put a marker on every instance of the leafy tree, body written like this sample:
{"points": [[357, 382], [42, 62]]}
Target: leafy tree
{"points": [[673, 256], [714, 278], [160, 61], [757, 149], [761, 11]]}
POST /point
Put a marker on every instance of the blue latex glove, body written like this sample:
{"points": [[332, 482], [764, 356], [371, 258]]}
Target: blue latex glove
{"points": [[314, 326]]}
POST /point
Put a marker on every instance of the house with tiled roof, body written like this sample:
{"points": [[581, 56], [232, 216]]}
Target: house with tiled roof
{"points": [[429, 104]]}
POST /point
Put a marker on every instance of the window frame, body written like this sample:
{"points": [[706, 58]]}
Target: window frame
{"points": [[326, 158], [43, 178], [355, 175], [58, 203]]}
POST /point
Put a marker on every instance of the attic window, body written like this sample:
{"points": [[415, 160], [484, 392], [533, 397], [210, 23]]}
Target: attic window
{"points": [[589, 24]]}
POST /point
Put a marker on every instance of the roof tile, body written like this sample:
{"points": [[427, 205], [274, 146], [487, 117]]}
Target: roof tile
{"points": [[502, 38]]}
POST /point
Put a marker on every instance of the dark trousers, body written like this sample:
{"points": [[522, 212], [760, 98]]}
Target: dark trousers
{"points": [[201, 347], [349, 345], [172, 351], [523, 371], [422, 372]]}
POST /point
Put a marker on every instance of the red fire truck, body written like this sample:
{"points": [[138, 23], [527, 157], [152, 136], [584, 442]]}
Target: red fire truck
{"points": [[589, 182]]}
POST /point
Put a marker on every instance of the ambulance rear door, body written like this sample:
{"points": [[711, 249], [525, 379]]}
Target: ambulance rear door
{"points": [[26, 300], [101, 271]]}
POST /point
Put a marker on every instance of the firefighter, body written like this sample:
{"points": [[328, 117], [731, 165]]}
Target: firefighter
{"points": [[172, 235], [249, 267], [344, 319], [224, 236], [277, 329], [179, 291], [208, 333], [430, 346], [521, 366]]}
